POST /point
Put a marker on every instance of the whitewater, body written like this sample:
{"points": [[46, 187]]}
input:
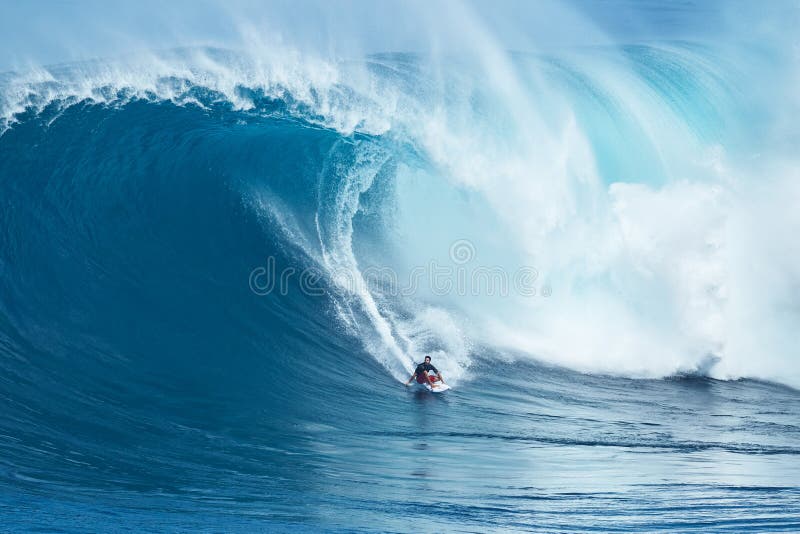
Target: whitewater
{"points": [[219, 263]]}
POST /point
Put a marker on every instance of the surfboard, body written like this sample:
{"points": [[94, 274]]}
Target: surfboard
{"points": [[438, 387]]}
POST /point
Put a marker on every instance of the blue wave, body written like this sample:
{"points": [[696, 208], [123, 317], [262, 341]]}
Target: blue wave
{"points": [[143, 377]]}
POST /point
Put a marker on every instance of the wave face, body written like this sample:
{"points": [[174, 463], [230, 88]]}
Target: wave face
{"points": [[191, 319]]}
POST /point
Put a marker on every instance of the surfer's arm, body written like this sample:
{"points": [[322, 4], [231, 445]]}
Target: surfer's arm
{"points": [[410, 379]]}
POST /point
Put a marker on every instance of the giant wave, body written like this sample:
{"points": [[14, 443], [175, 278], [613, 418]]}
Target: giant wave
{"points": [[621, 176], [651, 197]]}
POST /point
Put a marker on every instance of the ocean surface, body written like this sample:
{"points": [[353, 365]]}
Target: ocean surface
{"points": [[218, 267]]}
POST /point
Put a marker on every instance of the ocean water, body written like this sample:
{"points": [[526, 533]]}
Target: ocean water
{"points": [[218, 267]]}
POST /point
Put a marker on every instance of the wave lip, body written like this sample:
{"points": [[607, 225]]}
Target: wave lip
{"points": [[313, 90]]}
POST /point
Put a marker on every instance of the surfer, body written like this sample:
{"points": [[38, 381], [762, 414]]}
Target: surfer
{"points": [[426, 373]]}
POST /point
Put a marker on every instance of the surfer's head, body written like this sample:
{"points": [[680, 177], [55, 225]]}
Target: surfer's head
{"points": [[427, 359]]}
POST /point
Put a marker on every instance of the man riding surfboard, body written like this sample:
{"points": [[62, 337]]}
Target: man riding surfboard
{"points": [[426, 373]]}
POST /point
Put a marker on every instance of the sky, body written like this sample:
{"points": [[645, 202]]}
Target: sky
{"points": [[56, 31]]}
